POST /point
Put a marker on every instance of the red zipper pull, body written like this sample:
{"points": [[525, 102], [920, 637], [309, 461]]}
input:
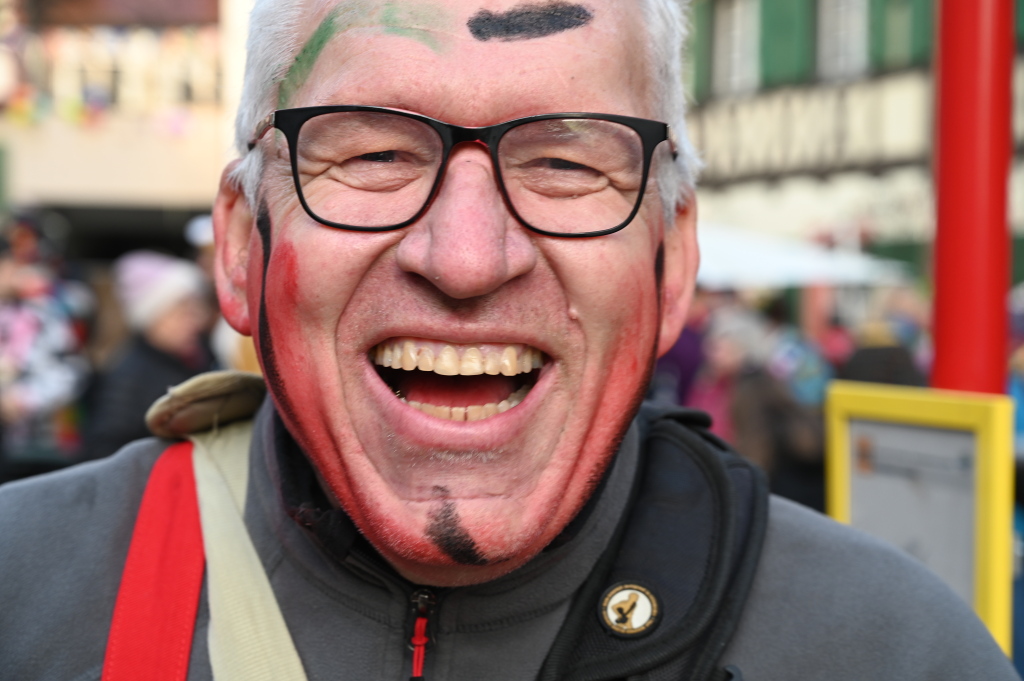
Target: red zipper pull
{"points": [[423, 600]]}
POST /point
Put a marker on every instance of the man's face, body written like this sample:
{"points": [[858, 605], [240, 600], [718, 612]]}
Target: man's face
{"points": [[575, 321]]}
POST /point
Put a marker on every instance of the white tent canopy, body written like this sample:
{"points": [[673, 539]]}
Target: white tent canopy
{"points": [[734, 258]]}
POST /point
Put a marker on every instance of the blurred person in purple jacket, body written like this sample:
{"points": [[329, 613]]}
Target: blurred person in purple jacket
{"points": [[677, 369], [755, 411]]}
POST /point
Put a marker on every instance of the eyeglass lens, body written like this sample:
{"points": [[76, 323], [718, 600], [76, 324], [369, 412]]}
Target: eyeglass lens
{"points": [[374, 169]]}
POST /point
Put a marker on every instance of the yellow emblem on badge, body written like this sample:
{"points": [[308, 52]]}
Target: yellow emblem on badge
{"points": [[629, 609]]}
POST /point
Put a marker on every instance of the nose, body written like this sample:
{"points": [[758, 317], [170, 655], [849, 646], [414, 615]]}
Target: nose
{"points": [[468, 244]]}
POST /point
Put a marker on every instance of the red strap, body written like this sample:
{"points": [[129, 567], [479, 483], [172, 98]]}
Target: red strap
{"points": [[155, 613]]}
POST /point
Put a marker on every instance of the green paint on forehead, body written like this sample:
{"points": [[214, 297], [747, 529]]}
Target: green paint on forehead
{"points": [[342, 17], [419, 21]]}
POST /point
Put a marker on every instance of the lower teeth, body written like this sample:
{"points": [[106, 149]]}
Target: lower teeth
{"points": [[471, 413]]}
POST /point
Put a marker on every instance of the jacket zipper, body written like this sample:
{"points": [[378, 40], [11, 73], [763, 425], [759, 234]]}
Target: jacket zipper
{"points": [[423, 602]]}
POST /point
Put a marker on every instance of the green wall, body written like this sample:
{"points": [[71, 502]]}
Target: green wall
{"points": [[918, 256]]}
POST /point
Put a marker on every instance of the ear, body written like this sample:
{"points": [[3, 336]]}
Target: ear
{"points": [[233, 228], [682, 259]]}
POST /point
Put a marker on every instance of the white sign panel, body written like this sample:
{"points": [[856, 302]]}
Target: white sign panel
{"points": [[914, 487]]}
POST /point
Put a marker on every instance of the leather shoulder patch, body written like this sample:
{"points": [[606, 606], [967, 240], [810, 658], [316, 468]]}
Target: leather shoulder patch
{"points": [[206, 401]]}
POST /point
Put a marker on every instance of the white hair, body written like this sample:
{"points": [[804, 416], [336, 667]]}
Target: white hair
{"points": [[667, 30], [274, 40]]}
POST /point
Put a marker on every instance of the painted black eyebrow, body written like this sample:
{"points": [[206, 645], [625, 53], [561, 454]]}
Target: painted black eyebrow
{"points": [[524, 22]]}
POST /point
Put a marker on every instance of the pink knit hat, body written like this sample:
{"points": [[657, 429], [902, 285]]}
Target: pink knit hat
{"points": [[150, 283]]}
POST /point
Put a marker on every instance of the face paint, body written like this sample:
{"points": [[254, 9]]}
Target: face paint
{"points": [[659, 268], [421, 22], [447, 533], [266, 345], [467, 276], [529, 21], [418, 21], [342, 17]]}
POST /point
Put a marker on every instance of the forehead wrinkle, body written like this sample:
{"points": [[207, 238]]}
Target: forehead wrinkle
{"points": [[339, 79]]}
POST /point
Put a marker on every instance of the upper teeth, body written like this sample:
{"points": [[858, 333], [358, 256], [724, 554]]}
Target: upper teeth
{"points": [[445, 360]]}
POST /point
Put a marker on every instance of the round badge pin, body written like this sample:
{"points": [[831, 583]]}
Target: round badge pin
{"points": [[629, 610]]}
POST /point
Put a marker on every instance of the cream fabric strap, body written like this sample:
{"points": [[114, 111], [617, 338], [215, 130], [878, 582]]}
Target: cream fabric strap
{"points": [[248, 637]]}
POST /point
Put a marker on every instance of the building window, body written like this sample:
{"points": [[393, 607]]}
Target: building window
{"points": [[699, 57], [901, 33], [736, 48], [787, 41], [1019, 13], [842, 39]]}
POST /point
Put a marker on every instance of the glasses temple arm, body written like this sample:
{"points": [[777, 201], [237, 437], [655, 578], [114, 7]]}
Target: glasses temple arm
{"points": [[261, 130]]}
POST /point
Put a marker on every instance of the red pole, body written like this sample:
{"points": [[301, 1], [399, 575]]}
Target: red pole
{"points": [[973, 152]]}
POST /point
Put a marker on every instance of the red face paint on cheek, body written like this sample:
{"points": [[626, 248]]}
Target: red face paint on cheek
{"points": [[629, 332], [299, 355], [283, 292], [634, 343], [286, 331], [285, 266]]}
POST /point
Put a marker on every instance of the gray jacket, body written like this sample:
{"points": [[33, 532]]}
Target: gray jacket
{"points": [[827, 602]]}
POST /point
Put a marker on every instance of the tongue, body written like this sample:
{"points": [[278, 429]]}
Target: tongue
{"points": [[455, 391]]}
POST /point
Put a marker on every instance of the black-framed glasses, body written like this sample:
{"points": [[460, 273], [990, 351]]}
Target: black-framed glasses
{"points": [[374, 169]]}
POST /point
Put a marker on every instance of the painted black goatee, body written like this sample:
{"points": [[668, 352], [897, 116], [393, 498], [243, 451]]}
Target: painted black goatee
{"points": [[529, 21], [447, 533]]}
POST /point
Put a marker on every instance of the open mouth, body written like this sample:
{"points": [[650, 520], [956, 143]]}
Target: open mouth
{"points": [[457, 382]]}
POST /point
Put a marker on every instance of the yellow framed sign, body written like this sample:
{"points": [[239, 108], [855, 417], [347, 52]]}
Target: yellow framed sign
{"points": [[930, 471]]}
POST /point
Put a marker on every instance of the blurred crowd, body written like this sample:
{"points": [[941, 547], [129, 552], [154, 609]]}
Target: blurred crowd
{"points": [[750, 363], [80, 363]]}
